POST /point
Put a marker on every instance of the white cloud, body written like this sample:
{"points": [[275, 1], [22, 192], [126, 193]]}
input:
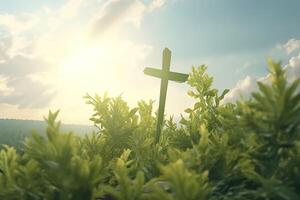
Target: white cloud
{"points": [[243, 88], [4, 89], [18, 24], [5, 44], [291, 45], [25, 93], [156, 4], [116, 13], [293, 68], [70, 9], [28, 85]]}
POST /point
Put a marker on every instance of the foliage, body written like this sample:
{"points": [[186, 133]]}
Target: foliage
{"points": [[248, 149]]}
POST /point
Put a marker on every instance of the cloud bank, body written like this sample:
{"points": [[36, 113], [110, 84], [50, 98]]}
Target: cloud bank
{"points": [[35, 46], [246, 86]]}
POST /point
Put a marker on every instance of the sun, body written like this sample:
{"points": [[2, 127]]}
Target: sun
{"points": [[83, 61], [89, 68]]}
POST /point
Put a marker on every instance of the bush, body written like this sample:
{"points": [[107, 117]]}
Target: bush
{"points": [[244, 150]]}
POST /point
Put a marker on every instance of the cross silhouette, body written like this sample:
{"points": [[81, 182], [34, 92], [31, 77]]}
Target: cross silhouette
{"points": [[165, 75]]}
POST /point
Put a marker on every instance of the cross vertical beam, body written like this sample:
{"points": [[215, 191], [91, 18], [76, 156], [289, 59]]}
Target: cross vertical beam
{"points": [[163, 91]]}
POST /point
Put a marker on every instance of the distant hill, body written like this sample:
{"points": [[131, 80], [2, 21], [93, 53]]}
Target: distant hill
{"points": [[13, 132]]}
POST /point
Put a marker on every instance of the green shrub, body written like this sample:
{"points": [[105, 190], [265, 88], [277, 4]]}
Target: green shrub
{"points": [[249, 149]]}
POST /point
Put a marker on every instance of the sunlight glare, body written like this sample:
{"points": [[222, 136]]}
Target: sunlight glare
{"points": [[90, 68], [83, 61]]}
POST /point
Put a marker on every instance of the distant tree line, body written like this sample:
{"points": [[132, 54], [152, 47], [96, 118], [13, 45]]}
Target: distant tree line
{"points": [[14, 131]]}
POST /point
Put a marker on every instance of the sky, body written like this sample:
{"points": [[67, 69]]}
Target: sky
{"points": [[53, 52]]}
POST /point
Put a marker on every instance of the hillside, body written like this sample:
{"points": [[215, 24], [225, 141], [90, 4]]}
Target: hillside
{"points": [[13, 132]]}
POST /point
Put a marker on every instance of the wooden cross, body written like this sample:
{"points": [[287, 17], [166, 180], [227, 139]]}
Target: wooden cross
{"points": [[165, 75]]}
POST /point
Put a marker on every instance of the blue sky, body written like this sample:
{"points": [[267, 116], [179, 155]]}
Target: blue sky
{"points": [[50, 45], [202, 29]]}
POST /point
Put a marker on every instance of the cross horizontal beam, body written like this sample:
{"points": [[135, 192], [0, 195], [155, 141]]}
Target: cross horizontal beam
{"points": [[172, 76]]}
